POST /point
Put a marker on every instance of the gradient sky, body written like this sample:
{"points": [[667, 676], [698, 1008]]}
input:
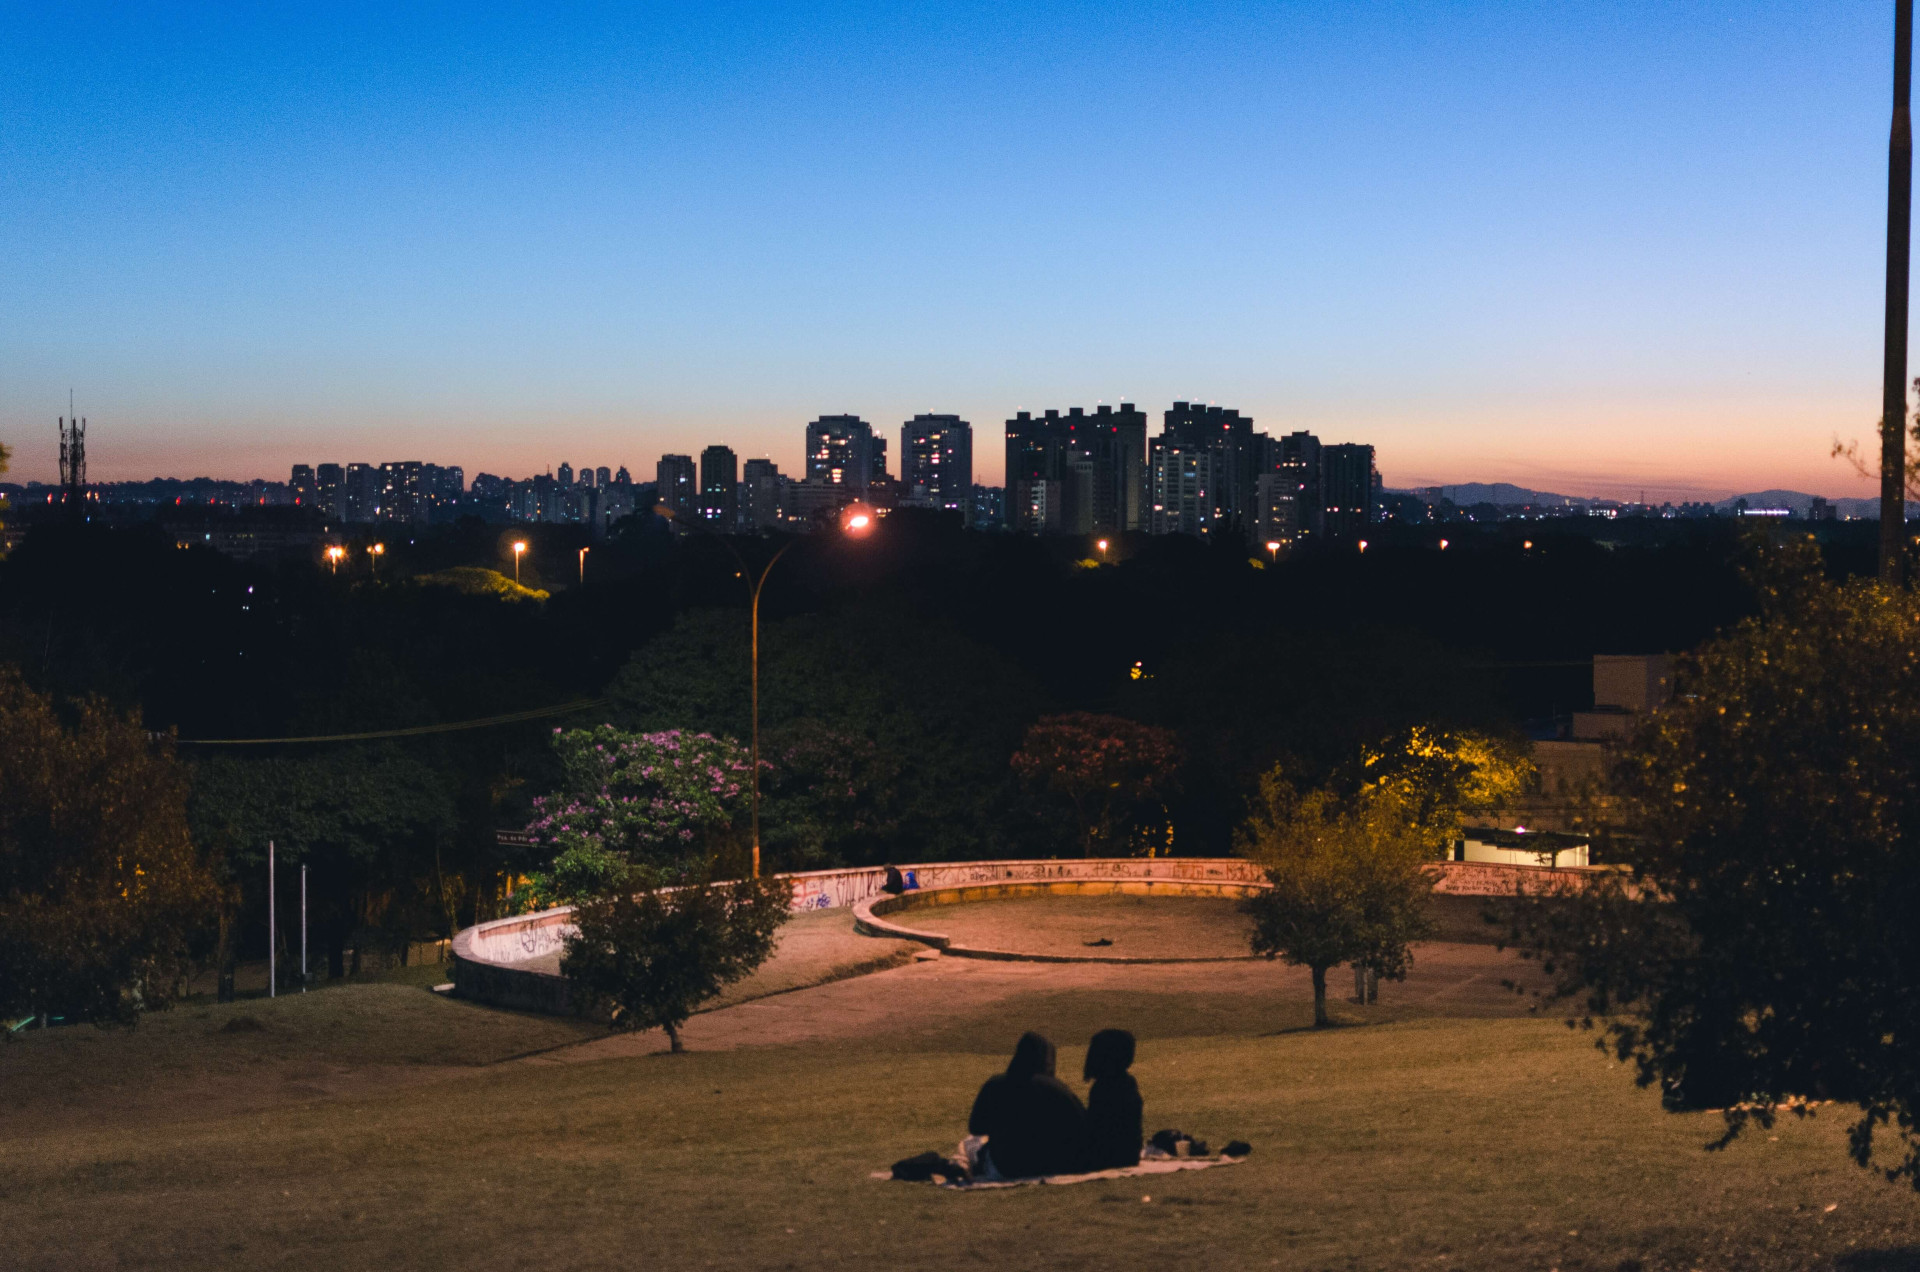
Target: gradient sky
{"points": [[1586, 247]]}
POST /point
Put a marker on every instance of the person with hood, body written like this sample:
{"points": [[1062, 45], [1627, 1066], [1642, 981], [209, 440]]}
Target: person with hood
{"points": [[1034, 1125], [1114, 1108]]}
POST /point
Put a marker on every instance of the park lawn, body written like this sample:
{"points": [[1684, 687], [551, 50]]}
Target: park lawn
{"points": [[1421, 1143]]}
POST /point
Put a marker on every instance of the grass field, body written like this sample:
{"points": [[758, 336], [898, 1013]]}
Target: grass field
{"points": [[1134, 926], [371, 1133]]}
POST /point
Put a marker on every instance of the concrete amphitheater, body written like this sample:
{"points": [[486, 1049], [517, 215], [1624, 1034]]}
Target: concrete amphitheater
{"points": [[1099, 912]]}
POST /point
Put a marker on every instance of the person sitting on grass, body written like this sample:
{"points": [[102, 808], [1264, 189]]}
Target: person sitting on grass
{"points": [[1034, 1125], [1114, 1107]]}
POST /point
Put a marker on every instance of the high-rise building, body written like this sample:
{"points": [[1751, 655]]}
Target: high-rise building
{"points": [[401, 495], [563, 476], [1089, 471], [720, 488], [1181, 475], [840, 452], [603, 478], [936, 463], [1229, 435], [623, 477], [676, 486], [989, 508], [1351, 488], [363, 493], [303, 486], [761, 494], [330, 491]]}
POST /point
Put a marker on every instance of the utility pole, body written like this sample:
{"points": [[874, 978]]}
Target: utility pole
{"points": [[1893, 398], [272, 930], [303, 927]]}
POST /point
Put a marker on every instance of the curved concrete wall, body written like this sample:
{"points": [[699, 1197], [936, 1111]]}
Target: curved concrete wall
{"points": [[488, 960]]}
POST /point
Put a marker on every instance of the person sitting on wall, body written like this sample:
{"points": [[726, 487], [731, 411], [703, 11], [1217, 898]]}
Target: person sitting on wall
{"points": [[1114, 1108], [1033, 1124], [895, 883]]}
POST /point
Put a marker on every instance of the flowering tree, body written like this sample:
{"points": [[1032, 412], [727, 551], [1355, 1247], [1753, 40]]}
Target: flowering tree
{"points": [[1112, 770], [637, 809]]}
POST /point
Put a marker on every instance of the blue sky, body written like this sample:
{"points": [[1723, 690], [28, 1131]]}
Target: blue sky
{"points": [[1590, 247]]}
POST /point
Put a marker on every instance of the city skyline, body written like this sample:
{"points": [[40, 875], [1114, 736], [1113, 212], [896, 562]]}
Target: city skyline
{"points": [[1498, 244]]}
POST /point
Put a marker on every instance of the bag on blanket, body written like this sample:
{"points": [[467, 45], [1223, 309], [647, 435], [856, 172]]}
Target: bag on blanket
{"points": [[922, 1167]]}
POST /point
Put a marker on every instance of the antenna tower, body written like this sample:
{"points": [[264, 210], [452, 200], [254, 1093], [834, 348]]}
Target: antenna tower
{"points": [[73, 465]]}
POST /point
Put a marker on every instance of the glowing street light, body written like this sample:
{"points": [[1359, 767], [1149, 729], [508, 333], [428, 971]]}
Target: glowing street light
{"points": [[583, 565], [855, 522], [519, 547], [374, 554], [1102, 545], [1363, 545], [1443, 545], [1273, 549], [334, 553]]}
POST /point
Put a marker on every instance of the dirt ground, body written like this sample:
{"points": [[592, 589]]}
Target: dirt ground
{"points": [[1120, 926]]}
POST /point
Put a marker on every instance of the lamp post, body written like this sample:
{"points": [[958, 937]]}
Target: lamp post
{"points": [[519, 547], [855, 522], [334, 553], [1273, 549], [583, 565], [374, 554], [1102, 545]]}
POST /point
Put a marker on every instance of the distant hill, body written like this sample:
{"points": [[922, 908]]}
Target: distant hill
{"points": [[1500, 493], [1466, 494]]}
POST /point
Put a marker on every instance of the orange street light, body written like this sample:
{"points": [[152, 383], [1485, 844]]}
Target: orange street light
{"points": [[1443, 545], [1273, 549], [1363, 545], [1102, 545], [518, 548], [857, 520], [583, 565], [374, 554], [334, 553]]}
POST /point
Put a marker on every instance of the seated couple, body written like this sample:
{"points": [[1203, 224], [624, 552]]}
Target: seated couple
{"points": [[1034, 1125]]}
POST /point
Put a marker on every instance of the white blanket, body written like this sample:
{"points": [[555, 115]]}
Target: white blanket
{"points": [[1147, 1166]]}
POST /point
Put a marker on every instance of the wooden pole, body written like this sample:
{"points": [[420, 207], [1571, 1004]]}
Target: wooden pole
{"points": [[1893, 401]]}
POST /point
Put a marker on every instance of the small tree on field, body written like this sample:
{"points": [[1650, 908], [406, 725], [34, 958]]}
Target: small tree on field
{"points": [[1347, 881], [102, 892], [1111, 769], [653, 955], [637, 809], [1437, 776]]}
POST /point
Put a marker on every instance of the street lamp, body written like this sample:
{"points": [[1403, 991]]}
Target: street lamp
{"points": [[519, 547], [855, 522], [334, 553], [374, 554], [583, 565], [1102, 545], [1273, 549]]}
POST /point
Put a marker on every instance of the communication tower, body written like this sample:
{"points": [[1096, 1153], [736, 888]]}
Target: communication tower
{"points": [[73, 465]]}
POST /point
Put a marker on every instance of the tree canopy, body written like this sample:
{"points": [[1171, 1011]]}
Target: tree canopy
{"points": [[1762, 951], [637, 809], [1116, 773], [102, 892], [1347, 880]]}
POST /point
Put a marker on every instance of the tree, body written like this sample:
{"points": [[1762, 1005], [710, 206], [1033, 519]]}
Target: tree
{"points": [[102, 893], [1762, 951], [637, 809], [652, 955], [1346, 877], [369, 820], [1111, 769], [1437, 776]]}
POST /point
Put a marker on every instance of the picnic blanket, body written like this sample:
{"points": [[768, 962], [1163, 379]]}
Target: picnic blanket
{"points": [[1149, 1165]]}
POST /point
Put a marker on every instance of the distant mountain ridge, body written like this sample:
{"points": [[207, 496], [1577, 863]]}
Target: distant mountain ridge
{"points": [[1500, 493]]}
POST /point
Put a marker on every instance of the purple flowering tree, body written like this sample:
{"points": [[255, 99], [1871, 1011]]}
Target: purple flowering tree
{"points": [[637, 810]]}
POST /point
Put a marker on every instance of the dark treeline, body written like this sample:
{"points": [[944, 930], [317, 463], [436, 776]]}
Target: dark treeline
{"points": [[899, 674]]}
